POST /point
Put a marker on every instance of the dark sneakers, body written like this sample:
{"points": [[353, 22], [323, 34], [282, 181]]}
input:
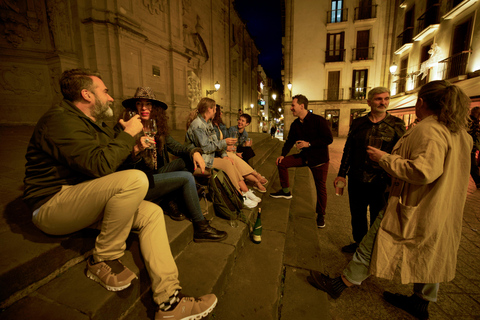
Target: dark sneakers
{"points": [[334, 287], [281, 194], [414, 305], [351, 248], [320, 221]]}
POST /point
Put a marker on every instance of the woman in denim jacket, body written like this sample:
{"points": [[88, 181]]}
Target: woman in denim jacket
{"points": [[200, 133]]}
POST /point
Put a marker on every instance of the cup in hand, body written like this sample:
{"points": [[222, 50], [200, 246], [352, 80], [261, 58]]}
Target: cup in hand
{"points": [[375, 141], [339, 188], [248, 142]]}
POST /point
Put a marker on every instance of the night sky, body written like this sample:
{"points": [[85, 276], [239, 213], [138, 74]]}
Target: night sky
{"points": [[263, 19]]}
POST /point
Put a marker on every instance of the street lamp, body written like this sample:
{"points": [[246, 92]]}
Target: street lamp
{"points": [[393, 69], [251, 105], [289, 86], [217, 86], [274, 96]]}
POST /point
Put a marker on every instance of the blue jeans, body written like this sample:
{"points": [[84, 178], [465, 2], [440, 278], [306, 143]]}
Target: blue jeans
{"points": [[166, 183], [358, 269]]}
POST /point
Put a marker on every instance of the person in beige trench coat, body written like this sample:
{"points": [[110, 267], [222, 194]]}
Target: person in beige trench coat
{"points": [[420, 227]]}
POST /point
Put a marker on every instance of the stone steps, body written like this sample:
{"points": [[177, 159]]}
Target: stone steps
{"points": [[49, 272]]}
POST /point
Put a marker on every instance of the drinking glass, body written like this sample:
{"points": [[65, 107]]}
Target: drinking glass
{"points": [[234, 135], [150, 130], [248, 142], [129, 115]]}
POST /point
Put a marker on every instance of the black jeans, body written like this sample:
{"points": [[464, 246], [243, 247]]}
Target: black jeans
{"points": [[362, 195]]}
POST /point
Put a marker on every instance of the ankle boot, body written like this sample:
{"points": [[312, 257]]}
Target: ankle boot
{"points": [[203, 232], [174, 212]]}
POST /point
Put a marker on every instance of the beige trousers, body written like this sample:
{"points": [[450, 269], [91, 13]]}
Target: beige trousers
{"points": [[242, 167], [117, 201], [231, 171]]}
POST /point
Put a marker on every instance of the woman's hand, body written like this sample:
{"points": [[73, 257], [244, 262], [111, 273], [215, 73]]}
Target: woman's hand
{"points": [[231, 141], [375, 154], [142, 144], [198, 162]]}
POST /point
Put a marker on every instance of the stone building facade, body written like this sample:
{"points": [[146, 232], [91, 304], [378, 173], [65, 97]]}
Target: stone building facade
{"points": [[180, 48], [334, 52]]}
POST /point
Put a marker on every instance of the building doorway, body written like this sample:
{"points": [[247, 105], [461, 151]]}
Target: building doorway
{"points": [[333, 116]]}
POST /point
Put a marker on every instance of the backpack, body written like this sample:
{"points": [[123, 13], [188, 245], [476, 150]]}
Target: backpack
{"points": [[227, 201]]}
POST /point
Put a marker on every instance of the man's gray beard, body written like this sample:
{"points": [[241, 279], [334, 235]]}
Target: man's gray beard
{"points": [[102, 111]]}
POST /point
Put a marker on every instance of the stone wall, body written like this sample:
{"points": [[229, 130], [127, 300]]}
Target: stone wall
{"points": [[180, 48]]}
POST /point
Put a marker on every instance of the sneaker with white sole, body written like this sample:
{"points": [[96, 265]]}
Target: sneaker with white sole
{"points": [[111, 274], [189, 308], [250, 195], [249, 203]]}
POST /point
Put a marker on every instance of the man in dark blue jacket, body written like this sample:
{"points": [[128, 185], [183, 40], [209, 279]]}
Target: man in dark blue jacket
{"points": [[311, 134], [367, 181]]}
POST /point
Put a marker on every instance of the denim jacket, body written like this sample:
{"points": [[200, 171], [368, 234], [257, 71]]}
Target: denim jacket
{"points": [[242, 137], [201, 134]]}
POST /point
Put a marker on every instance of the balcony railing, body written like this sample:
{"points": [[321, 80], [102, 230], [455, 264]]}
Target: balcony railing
{"points": [[335, 16], [364, 53], [333, 94], [455, 65], [337, 55], [405, 37], [367, 12], [359, 93], [452, 4], [429, 17]]}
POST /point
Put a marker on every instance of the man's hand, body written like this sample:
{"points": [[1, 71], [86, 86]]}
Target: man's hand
{"points": [[198, 162], [339, 179], [133, 126], [375, 154], [231, 141], [279, 160], [300, 144]]}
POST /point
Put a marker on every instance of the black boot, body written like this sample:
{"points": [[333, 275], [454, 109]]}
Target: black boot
{"points": [[173, 211], [414, 305], [203, 232]]}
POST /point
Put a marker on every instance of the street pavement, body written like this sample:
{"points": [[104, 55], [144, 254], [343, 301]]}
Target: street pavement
{"points": [[293, 245]]}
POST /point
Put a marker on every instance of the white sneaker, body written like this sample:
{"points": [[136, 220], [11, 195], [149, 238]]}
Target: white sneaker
{"points": [[249, 203], [250, 195]]}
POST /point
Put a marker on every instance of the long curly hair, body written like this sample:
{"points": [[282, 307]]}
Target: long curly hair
{"points": [[202, 106], [160, 116], [448, 102]]}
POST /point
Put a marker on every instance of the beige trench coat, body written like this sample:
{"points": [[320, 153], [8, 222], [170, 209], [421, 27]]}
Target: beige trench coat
{"points": [[422, 222]]}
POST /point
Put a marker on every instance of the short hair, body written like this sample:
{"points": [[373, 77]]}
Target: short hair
{"points": [[301, 99], [448, 102], [73, 81], [377, 90], [247, 117]]}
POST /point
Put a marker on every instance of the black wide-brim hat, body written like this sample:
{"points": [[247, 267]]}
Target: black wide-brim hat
{"points": [[143, 93]]}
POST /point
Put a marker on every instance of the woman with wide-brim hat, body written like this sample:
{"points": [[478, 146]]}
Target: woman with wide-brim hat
{"points": [[167, 176]]}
